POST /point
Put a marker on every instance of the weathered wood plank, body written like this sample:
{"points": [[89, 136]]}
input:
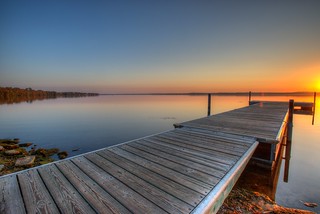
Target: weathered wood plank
{"points": [[98, 198], [184, 168], [206, 144], [36, 197], [11, 201], [193, 162], [128, 197], [176, 189], [65, 195], [203, 154], [194, 147], [262, 121], [184, 155], [188, 181], [166, 201], [231, 141]]}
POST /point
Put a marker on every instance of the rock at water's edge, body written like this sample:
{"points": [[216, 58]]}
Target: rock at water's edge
{"points": [[12, 152], [25, 161]]}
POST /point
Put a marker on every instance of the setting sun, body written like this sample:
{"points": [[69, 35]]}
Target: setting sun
{"points": [[318, 85]]}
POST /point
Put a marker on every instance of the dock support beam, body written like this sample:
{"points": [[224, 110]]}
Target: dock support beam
{"points": [[249, 97], [288, 141], [209, 104]]}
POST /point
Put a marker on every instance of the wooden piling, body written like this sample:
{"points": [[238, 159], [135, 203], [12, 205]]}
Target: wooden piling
{"points": [[288, 141], [209, 104], [249, 97]]}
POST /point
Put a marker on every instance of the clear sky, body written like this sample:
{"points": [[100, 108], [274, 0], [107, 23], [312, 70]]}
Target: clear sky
{"points": [[160, 46]]}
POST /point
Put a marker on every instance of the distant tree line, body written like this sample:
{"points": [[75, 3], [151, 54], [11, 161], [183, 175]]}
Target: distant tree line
{"points": [[10, 95]]}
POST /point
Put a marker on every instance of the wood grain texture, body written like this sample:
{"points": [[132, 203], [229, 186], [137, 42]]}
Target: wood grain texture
{"points": [[66, 196], [36, 197], [181, 168], [166, 201], [10, 197], [181, 178], [176, 189], [96, 196], [128, 197], [184, 155]]}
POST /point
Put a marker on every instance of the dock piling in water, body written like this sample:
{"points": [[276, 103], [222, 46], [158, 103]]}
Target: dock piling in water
{"points": [[288, 141], [209, 104]]}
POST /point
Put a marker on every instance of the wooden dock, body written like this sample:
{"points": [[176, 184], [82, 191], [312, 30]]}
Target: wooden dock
{"points": [[190, 169]]}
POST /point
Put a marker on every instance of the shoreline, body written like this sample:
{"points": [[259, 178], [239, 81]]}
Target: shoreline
{"points": [[241, 200]]}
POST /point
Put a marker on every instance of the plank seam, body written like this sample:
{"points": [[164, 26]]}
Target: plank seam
{"points": [[123, 183], [148, 183]]}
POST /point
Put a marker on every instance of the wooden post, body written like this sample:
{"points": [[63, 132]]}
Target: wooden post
{"points": [[314, 106], [209, 104], [289, 141], [249, 97]]}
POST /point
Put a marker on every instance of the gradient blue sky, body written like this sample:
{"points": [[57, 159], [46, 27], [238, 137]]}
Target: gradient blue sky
{"points": [[160, 46]]}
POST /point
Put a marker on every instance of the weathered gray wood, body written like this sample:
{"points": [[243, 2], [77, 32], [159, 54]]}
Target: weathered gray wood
{"points": [[36, 197], [223, 140], [65, 195], [157, 196], [195, 147], [206, 144], [176, 189], [185, 155], [185, 180], [128, 197], [262, 120], [191, 162], [184, 168], [192, 151], [97, 197], [10, 196]]}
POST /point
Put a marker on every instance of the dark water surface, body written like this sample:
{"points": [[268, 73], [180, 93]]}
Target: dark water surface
{"points": [[92, 123]]}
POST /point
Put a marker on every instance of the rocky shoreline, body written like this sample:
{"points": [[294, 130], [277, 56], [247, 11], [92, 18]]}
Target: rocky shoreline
{"points": [[16, 156], [241, 200]]}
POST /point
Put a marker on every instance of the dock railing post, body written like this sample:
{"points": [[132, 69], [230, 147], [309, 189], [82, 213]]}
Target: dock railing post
{"points": [[209, 104], [314, 106], [288, 141], [249, 97]]}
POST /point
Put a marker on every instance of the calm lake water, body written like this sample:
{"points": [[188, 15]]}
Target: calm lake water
{"points": [[92, 123]]}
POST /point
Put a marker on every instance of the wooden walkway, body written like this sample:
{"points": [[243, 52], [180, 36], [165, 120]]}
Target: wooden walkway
{"points": [[190, 169]]}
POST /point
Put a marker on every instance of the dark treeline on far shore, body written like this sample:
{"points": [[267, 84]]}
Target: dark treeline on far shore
{"points": [[9, 95]]}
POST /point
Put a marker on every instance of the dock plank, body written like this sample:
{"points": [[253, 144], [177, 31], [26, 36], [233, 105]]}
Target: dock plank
{"points": [[206, 144], [188, 168], [128, 197], [166, 201], [98, 198], [66, 196], [178, 177], [184, 155], [195, 152], [196, 147], [10, 197], [176, 189], [37, 198]]}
